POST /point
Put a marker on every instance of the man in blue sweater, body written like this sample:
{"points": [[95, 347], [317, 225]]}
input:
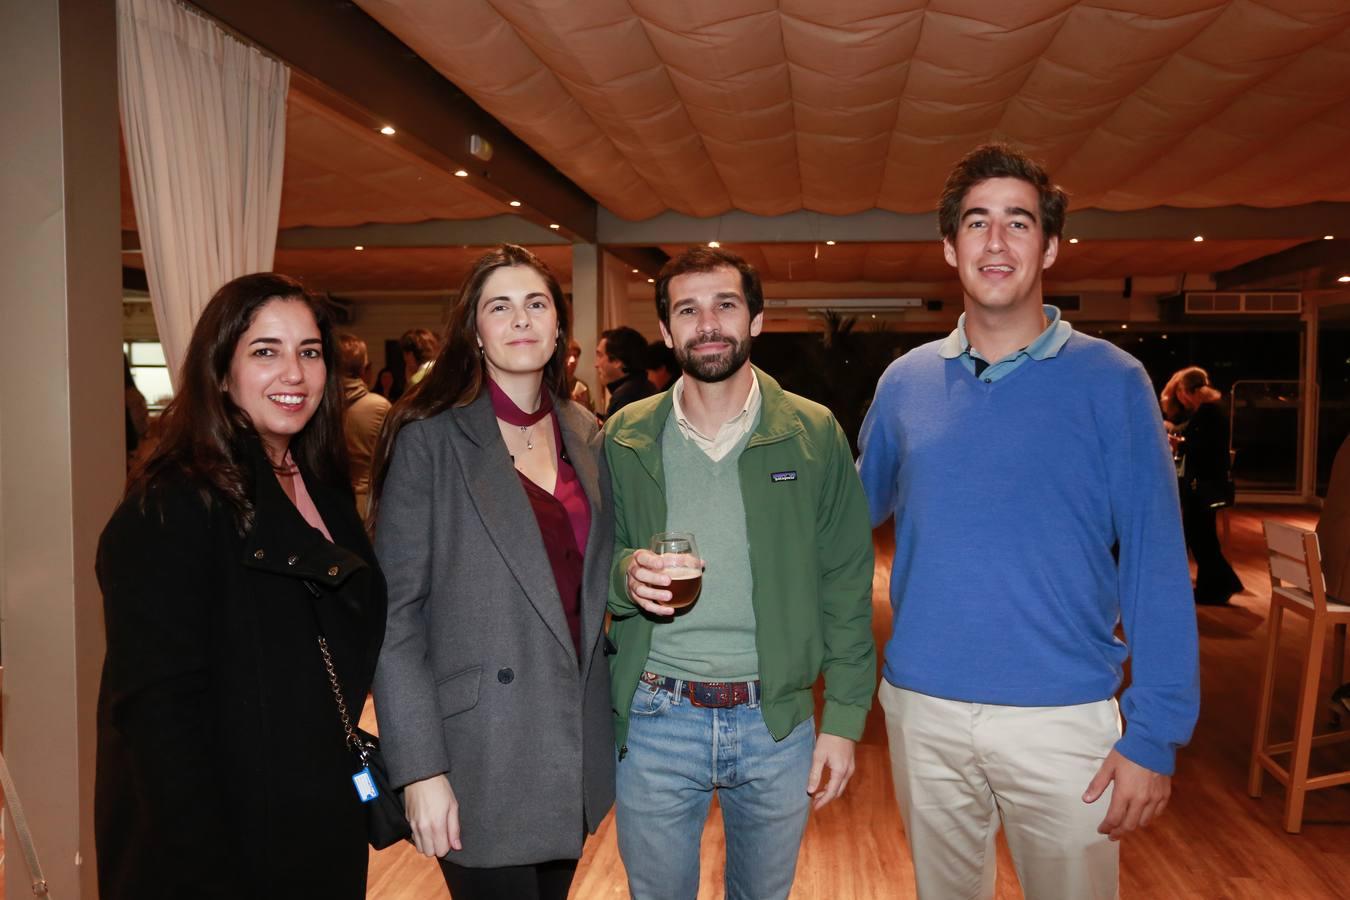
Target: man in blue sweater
{"points": [[1035, 508]]}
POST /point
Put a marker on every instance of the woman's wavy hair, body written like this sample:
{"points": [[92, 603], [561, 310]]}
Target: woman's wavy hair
{"points": [[206, 438], [1196, 381], [458, 375]]}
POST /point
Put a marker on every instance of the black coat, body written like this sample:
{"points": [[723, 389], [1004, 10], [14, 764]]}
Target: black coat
{"points": [[631, 387], [222, 771], [1205, 466]]}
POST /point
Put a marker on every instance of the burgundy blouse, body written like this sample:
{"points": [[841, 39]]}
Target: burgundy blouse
{"points": [[564, 516]]}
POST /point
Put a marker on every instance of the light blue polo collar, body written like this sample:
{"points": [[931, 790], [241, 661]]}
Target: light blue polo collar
{"points": [[1047, 344]]}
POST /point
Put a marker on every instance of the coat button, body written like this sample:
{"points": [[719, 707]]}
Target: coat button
{"points": [[292, 559], [506, 676], [258, 554], [332, 571]]}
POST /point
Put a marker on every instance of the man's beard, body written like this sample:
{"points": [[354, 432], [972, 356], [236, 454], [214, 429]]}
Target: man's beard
{"points": [[715, 367]]}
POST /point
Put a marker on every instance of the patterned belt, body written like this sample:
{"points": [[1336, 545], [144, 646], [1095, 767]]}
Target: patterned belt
{"points": [[712, 694]]}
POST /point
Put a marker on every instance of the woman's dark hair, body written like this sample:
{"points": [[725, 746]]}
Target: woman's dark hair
{"points": [[205, 436], [458, 375], [1000, 161]]}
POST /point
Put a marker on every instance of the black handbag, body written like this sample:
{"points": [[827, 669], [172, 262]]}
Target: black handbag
{"points": [[386, 819]]}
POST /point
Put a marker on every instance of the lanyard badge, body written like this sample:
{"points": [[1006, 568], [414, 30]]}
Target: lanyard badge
{"points": [[365, 785]]}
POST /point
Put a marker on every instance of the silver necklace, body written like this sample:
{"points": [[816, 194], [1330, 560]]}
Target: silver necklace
{"points": [[527, 432]]}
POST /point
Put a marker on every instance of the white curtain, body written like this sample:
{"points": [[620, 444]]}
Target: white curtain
{"points": [[204, 118]]}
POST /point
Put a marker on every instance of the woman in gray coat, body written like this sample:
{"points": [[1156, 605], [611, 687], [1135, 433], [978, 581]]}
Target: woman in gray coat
{"points": [[492, 520]]}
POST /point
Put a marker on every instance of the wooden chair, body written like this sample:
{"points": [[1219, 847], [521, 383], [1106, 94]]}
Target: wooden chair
{"points": [[1297, 586]]}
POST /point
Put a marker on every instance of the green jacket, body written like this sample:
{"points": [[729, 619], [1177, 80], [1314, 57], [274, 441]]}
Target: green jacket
{"points": [[810, 558]]}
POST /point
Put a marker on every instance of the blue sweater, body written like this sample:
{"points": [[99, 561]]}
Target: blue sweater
{"points": [[1008, 499]]}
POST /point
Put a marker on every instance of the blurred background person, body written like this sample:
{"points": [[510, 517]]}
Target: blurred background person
{"points": [[385, 385], [576, 388], [1333, 526], [137, 411], [1333, 533], [1204, 478], [662, 367], [492, 517], [363, 417], [223, 770], [419, 350], [620, 361]]}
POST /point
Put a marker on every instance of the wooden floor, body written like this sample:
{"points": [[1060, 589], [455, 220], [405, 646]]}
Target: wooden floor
{"points": [[1213, 842]]}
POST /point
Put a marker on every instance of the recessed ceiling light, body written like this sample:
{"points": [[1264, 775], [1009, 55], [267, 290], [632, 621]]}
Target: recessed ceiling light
{"points": [[653, 280], [831, 244], [1328, 237], [714, 244], [359, 247], [635, 272], [388, 129], [460, 173], [1124, 326], [514, 203], [1073, 240], [1198, 238], [1344, 279], [555, 226]]}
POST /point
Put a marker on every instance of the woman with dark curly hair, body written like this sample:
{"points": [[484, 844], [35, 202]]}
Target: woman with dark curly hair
{"points": [[223, 770]]}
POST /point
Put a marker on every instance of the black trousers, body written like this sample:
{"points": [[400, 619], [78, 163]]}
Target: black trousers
{"points": [[541, 881], [1215, 580]]}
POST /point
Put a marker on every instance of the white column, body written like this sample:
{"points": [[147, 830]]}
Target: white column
{"points": [[61, 441], [587, 310]]}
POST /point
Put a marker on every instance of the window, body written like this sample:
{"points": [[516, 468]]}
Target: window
{"points": [[150, 371]]}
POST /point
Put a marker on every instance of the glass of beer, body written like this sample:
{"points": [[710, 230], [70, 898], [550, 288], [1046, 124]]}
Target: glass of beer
{"points": [[686, 577]]}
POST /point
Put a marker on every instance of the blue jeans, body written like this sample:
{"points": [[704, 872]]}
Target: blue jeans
{"points": [[677, 754]]}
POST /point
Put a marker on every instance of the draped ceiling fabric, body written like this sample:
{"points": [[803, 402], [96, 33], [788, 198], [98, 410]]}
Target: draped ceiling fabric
{"points": [[204, 120], [340, 174], [768, 106]]}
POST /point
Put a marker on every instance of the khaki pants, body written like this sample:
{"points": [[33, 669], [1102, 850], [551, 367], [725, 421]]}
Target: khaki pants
{"points": [[962, 768]]}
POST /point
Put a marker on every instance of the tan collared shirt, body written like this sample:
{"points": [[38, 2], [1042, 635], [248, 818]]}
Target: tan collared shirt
{"points": [[731, 431]]}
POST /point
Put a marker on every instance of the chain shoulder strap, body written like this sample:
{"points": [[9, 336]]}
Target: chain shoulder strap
{"points": [[354, 742]]}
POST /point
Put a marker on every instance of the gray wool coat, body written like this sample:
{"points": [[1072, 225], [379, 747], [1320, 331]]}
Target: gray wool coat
{"points": [[478, 678]]}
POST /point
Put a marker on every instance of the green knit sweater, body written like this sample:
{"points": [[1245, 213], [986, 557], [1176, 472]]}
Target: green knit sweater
{"points": [[714, 640]]}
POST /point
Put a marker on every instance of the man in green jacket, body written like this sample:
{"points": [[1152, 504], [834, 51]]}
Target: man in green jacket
{"points": [[719, 696]]}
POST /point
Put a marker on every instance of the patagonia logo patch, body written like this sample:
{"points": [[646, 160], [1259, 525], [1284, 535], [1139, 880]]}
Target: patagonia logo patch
{"points": [[783, 476]]}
